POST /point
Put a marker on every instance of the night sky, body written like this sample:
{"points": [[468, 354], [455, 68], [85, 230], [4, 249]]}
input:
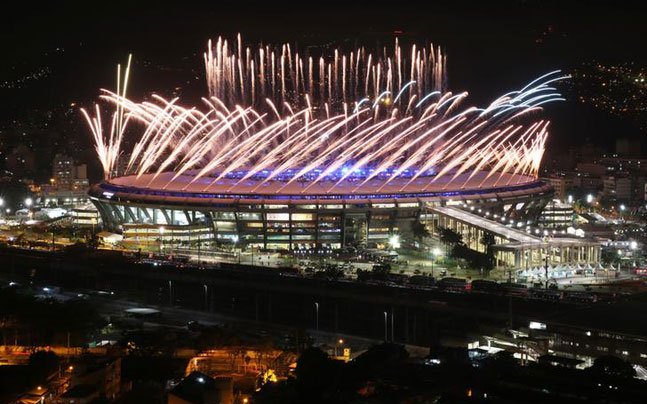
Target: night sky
{"points": [[491, 48]]}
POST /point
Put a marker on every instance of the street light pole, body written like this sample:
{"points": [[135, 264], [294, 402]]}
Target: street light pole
{"points": [[386, 335], [206, 298], [317, 315]]}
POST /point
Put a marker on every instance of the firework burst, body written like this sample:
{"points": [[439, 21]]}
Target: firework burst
{"points": [[274, 116]]}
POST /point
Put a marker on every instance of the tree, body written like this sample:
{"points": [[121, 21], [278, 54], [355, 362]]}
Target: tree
{"points": [[474, 259], [449, 237], [42, 364], [612, 368], [419, 230], [609, 256], [488, 241], [313, 373]]}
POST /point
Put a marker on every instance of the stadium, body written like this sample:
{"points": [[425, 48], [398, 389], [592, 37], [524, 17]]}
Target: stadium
{"points": [[287, 153]]}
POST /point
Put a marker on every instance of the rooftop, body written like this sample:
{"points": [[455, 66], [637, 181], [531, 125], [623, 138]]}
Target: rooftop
{"points": [[500, 229]]}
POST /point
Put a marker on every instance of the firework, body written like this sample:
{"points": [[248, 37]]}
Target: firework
{"points": [[238, 74], [276, 117], [108, 147]]}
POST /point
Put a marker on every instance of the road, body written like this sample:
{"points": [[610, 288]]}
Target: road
{"points": [[178, 317]]}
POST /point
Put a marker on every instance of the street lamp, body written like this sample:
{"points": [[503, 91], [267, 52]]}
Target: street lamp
{"points": [[317, 315], [1, 202], [28, 202], [394, 241]]}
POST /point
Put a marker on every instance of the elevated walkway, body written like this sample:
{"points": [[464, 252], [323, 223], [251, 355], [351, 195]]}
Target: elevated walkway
{"points": [[516, 248]]}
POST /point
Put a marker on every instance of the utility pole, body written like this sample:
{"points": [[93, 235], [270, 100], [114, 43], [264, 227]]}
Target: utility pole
{"points": [[546, 270]]}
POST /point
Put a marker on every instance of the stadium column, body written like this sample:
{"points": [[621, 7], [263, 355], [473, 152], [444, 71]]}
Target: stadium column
{"points": [[209, 219], [290, 228], [166, 216], [317, 226], [393, 217], [214, 229], [129, 213], [369, 214], [107, 215], [264, 221], [147, 214], [188, 216], [238, 229], [342, 226], [517, 258], [117, 213]]}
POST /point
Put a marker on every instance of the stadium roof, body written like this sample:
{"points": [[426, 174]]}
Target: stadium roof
{"points": [[165, 181]]}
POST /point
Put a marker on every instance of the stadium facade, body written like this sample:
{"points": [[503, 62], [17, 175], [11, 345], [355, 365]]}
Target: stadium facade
{"points": [[171, 207]]}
